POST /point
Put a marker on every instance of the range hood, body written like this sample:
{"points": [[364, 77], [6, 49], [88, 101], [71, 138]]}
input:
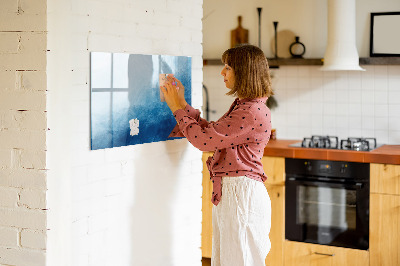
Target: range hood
{"points": [[341, 51]]}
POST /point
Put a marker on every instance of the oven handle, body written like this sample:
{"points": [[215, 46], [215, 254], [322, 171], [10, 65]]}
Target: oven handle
{"points": [[357, 185]]}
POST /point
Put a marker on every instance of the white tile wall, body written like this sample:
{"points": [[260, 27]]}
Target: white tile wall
{"points": [[348, 103], [312, 102]]}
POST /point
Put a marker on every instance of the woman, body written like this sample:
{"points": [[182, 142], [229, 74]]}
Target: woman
{"points": [[242, 208]]}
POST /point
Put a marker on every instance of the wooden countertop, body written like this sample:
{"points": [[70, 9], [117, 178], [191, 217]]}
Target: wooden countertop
{"points": [[389, 154]]}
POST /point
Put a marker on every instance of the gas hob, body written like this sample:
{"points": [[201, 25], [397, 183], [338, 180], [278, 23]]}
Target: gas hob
{"points": [[332, 142]]}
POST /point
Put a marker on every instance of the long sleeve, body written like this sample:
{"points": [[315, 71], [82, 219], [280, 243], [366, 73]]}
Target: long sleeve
{"points": [[193, 113], [232, 130]]}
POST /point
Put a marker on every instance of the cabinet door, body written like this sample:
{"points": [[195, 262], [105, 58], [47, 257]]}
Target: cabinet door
{"points": [[385, 178], [304, 254], [274, 168], [206, 225], [384, 230], [277, 233]]}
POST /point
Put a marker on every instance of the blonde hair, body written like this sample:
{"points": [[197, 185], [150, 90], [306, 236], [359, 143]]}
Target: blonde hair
{"points": [[250, 66]]}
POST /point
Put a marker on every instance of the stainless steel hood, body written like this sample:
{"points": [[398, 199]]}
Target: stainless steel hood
{"points": [[341, 51]]}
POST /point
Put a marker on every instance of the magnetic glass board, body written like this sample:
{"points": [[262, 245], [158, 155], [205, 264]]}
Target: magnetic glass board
{"points": [[125, 97]]}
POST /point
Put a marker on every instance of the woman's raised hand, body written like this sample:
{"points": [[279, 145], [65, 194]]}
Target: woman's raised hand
{"points": [[181, 92], [174, 94], [180, 88]]}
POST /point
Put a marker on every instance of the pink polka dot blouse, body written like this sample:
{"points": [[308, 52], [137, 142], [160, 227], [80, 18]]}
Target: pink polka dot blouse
{"points": [[238, 139]]}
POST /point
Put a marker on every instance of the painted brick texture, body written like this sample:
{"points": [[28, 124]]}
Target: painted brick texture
{"points": [[23, 126], [136, 205], [114, 207]]}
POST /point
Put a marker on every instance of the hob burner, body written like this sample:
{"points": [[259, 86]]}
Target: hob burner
{"points": [[358, 144], [328, 142], [332, 142]]}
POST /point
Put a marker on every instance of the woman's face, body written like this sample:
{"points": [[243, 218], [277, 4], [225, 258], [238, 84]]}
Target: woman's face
{"points": [[229, 76]]}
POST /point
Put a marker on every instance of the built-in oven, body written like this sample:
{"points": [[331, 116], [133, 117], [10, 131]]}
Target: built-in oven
{"points": [[327, 202]]}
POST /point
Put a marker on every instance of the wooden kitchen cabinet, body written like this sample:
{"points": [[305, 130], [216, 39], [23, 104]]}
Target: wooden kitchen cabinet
{"points": [[274, 168], [385, 215], [206, 225], [277, 233], [305, 254], [385, 178], [384, 236]]}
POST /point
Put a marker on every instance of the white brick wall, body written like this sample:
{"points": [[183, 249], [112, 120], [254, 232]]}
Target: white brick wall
{"points": [[136, 205], [9, 237], [23, 132], [119, 206], [33, 239], [11, 256], [8, 197]]}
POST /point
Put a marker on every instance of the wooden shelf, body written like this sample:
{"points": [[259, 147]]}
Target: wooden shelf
{"points": [[212, 62], [274, 63], [380, 61]]}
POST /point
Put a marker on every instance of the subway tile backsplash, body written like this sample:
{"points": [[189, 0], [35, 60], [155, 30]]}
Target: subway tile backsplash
{"points": [[314, 102]]}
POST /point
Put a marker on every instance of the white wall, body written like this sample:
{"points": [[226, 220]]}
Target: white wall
{"points": [[23, 133], [311, 102], [136, 205], [306, 19]]}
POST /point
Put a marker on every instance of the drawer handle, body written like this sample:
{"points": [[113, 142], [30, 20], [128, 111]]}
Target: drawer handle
{"points": [[324, 254]]}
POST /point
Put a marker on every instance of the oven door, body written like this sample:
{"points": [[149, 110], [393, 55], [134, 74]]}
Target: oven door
{"points": [[327, 213]]}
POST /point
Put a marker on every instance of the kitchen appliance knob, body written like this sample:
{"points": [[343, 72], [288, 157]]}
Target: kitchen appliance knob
{"points": [[343, 168], [308, 166]]}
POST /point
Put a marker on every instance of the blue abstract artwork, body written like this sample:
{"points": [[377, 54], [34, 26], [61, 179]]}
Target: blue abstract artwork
{"points": [[126, 105]]}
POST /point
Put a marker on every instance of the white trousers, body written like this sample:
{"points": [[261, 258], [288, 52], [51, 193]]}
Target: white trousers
{"points": [[241, 223]]}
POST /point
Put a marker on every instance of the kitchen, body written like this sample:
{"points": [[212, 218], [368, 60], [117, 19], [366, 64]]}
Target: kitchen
{"points": [[317, 103], [97, 203]]}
